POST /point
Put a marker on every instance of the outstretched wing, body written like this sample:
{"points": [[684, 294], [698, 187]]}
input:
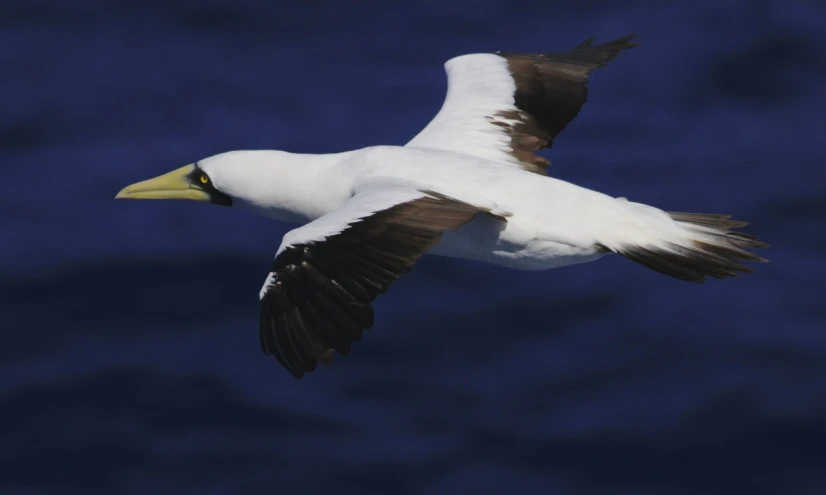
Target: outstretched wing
{"points": [[506, 106], [317, 298]]}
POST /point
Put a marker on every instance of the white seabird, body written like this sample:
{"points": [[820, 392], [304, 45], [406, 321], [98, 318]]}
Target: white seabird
{"points": [[468, 186]]}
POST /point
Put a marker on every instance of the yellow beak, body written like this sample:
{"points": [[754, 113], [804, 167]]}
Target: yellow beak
{"points": [[172, 185]]}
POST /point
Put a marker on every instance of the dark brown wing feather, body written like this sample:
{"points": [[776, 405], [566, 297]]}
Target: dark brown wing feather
{"points": [[320, 301], [550, 90]]}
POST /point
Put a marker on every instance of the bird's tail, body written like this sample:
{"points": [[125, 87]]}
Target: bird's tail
{"points": [[687, 246]]}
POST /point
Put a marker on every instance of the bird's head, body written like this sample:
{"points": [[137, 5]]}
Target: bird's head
{"points": [[193, 182], [219, 179], [275, 183]]}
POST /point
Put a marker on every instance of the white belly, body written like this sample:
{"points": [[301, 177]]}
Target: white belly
{"points": [[511, 245]]}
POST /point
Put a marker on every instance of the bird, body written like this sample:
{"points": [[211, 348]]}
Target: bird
{"points": [[469, 185]]}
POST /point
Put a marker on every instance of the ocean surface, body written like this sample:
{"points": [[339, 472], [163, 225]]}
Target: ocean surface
{"points": [[130, 361]]}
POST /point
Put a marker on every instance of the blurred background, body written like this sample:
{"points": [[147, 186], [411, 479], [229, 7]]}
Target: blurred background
{"points": [[130, 360]]}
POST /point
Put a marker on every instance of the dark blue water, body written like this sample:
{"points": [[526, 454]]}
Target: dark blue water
{"points": [[130, 354]]}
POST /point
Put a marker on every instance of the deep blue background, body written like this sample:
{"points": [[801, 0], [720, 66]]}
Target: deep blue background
{"points": [[130, 354]]}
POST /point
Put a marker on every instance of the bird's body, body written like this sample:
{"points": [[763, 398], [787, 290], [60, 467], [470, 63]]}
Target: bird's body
{"points": [[469, 185], [550, 222]]}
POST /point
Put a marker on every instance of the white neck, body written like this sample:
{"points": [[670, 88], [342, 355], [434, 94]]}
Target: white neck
{"points": [[284, 186]]}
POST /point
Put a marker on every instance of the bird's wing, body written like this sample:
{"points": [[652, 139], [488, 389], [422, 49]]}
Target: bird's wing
{"points": [[506, 106], [317, 297]]}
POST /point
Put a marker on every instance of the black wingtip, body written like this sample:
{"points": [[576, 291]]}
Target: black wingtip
{"points": [[626, 40], [617, 44], [586, 43], [603, 53]]}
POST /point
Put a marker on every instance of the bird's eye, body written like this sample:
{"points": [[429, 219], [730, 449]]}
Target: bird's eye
{"points": [[204, 179]]}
